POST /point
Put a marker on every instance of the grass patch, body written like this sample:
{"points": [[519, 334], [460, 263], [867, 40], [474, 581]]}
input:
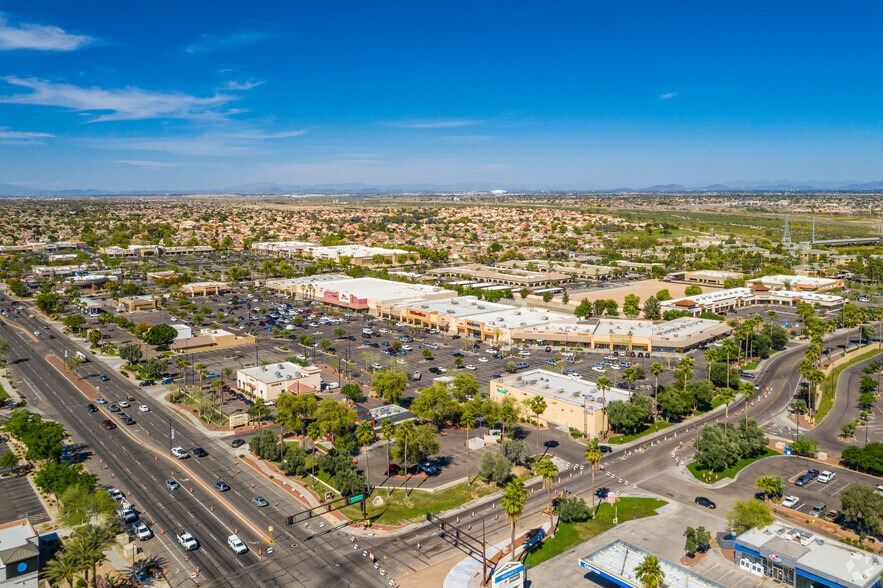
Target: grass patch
{"points": [[829, 385], [570, 535], [751, 365], [619, 439], [4, 395], [699, 472], [398, 509]]}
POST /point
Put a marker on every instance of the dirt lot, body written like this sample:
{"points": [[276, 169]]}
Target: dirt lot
{"points": [[641, 288]]}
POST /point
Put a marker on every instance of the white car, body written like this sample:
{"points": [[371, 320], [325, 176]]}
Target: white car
{"points": [[123, 404], [442, 370], [524, 353], [376, 366], [187, 541], [401, 362], [142, 531], [236, 544], [567, 354], [470, 367], [614, 367], [826, 476], [36, 333], [599, 370], [790, 501], [383, 331], [483, 359], [407, 348], [115, 494], [144, 408], [180, 453]]}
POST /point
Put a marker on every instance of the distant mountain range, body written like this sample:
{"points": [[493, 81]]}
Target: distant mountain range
{"points": [[8, 190]]}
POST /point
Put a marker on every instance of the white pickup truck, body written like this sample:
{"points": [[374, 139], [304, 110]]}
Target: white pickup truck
{"points": [[187, 541]]}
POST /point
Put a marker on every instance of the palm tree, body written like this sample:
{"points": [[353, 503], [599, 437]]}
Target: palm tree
{"points": [[406, 434], [64, 568], [593, 455], [512, 502], [537, 405], [603, 385], [364, 436], [748, 390], [709, 357], [90, 543], [548, 470], [388, 428], [686, 366], [727, 395], [649, 573], [657, 370]]}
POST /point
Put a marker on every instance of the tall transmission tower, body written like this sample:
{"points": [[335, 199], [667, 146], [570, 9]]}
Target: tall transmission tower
{"points": [[786, 236]]}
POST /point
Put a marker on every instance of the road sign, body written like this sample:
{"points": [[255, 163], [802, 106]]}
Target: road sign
{"points": [[356, 498], [611, 498], [329, 496], [788, 450], [510, 575], [172, 433]]}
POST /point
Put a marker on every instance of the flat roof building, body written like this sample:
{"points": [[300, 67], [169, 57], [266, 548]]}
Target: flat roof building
{"points": [[204, 288], [357, 255], [675, 336], [269, 381], [357, 293], [137, 303], [616, 563], [498, 325], [209, 339], [795, 557], [798, 283], [512, 277], [437, 314], [712, 277], [570, 402], [722, 301], [19, 554]]}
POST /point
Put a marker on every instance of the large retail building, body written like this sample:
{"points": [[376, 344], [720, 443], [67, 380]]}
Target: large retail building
{"points": [[570, 402], [723, 301]]}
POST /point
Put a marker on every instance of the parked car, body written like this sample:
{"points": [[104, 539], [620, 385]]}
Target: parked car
{"points": [[142, 531], [833, 516], [706, 502], [168, 381], [818, 510], [826, 477], [144, 383], [427, 468], [417, 376], [802, 480], [605, 449], [790, 501], [394, 469], [115, 493]]}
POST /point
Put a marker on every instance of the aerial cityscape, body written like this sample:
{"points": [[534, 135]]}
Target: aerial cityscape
{"points": [[450, 295]]}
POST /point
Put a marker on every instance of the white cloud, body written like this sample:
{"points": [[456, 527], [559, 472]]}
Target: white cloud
{"points": [[210, 42], [246, 85], [436, 124], [38, 37], [215, 144], [668, 95], [148, 164], [118, 103], [8, 136]]}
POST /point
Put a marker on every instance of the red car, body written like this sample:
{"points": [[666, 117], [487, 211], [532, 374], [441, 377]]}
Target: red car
{"points": [[393, 470], [108, 424]]}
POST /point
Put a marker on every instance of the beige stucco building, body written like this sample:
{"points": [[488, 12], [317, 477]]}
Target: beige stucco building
{"points": [[269, 381], [570, 402]]}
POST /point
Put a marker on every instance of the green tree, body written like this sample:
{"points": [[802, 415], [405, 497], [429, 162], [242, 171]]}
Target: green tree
{"points": [[548, 470], [805, 445], [81, 502], [692, 290], [5, 349], [863, 508], [573, 509], [353, 392], [663, 295], [698, 539], [131, 352], [154, 368], [512, 502], [652, 309], [389, 384], [631, 305], [771, 485], [160, 335], [648, 572], [90, 543], [583, 309], [74, 321], [495, 467], [747, 514], [406, 436], [9, 460]]}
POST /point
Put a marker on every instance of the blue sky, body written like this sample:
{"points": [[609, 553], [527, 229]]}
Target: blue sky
{"points": [[198, 95]]}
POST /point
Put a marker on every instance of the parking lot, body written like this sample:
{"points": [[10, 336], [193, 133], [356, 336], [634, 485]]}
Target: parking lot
{"points": [[18, 498]]}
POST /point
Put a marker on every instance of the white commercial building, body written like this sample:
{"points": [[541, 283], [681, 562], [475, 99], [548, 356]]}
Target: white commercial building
{"points": [[357, 293], [798, 283], [269, 381], [723, 301]]}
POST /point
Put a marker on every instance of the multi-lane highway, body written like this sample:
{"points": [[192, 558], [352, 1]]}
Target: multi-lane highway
{"points": [[299, 556]]}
